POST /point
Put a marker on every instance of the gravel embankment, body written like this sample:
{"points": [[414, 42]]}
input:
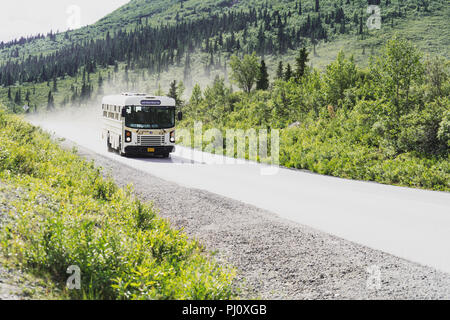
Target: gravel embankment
{"points": [[276, 258], [8, 290], [14, 285]]}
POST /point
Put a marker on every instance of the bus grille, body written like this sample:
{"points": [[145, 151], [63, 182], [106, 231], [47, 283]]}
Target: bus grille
{"points": [[150, 140]]}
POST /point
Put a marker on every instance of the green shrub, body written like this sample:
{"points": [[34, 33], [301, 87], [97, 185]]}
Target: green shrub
{"points": [[419, 130], [444, 129], [68, 214], [388, 123]]}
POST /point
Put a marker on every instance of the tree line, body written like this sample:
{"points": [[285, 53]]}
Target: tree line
{"points": [[155, 48]]}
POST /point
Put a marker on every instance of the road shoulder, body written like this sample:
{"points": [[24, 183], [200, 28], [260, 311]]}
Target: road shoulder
{"points": [[276, 258]]}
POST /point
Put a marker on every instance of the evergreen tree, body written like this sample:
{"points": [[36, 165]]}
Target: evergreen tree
{"points": [[100, 83], [196, 96], [280, 72], [361, 26], [187, 70], [262, 82], [17, 97], [180, 92], [301, 60], [126, 77], [55, 84], [261, 40], [317, 7], [74, 97], [173, 91], [288, 73], [50, 101]]}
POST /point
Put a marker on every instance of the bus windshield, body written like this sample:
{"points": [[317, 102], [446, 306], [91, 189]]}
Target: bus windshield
{"points": [[143, 117]]}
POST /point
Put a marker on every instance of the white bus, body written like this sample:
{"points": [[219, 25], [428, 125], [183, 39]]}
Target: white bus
{"points": [[139, 124]]}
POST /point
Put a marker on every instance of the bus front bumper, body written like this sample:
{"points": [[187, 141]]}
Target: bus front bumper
{"points": [[156, 151]]}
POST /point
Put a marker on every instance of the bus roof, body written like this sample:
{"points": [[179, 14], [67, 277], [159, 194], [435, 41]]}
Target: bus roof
{"points": [[137, 99]]}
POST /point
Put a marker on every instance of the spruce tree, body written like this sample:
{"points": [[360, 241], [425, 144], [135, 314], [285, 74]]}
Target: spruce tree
{"points": [[280, 72], [100, 83], [262, 81], [196, 96], [187, 70], [288, 73], [301, 60], [18, 97], [50, 101], [55, 84], [173, 90]]}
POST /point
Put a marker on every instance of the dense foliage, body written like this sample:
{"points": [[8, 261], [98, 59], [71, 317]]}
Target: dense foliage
{"points": [[68, 214], [388, 123]]}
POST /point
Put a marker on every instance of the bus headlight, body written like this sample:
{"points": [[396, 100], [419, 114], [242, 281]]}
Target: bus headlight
{"points": [[128, 136], [172, 137]]}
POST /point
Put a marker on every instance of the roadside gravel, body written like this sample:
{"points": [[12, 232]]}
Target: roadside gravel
{"points": [[14, 284], [276, 258]]}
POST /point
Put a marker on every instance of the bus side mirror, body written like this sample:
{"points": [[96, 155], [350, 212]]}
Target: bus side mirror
{"points": [[124, 112], [180, 116]]}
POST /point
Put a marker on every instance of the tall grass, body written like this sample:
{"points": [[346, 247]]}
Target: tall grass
{"points": [[68, 214]]}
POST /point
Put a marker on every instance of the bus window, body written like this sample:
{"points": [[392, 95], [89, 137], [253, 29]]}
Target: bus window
{"points": [[139, 117]]}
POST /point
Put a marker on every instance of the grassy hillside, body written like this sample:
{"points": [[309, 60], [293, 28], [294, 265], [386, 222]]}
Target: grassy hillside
{"points": [[155, 12], [426, 25], [65, 213]]}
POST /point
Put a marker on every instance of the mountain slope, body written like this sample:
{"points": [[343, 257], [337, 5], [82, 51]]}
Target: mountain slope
{"points": [[156, 12], [193, 39]]}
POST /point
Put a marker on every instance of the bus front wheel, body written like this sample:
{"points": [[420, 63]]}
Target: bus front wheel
{"points": [[108, 145], [122, 154]]}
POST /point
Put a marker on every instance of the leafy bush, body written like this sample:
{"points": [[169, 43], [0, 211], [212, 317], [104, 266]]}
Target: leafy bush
{"points": [[419, 129], [382, 124], [444, 129], [69, 214]]}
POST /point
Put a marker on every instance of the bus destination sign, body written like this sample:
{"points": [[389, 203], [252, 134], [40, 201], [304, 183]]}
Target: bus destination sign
{"points": [[151, 102]]}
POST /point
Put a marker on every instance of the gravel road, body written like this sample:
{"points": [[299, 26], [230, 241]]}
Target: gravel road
{"points": [[276, 258]]}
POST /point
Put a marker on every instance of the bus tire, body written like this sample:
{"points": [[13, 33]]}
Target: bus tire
{"points": [[166, 155], [108, 145], [122, 154]]}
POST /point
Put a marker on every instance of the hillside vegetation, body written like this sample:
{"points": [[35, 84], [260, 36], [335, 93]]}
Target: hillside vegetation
{"points": [[356, 113], [388, 123], [145, 44], [68, 214]]}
